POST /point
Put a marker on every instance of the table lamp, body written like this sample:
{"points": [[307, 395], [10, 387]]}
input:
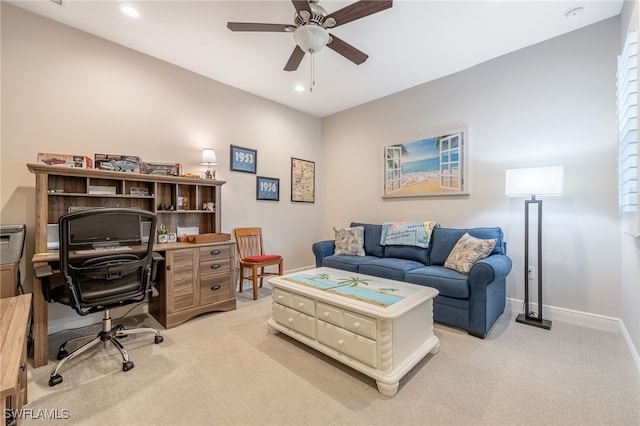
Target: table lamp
{"points": [[209, 159], [536, 181]]}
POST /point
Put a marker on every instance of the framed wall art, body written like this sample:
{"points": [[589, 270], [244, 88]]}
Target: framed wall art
{"points": [[267, 188], [243, 159], [433, 166], [303, 181]]}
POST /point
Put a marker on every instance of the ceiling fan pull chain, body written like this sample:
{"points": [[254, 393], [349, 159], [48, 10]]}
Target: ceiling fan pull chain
{"points": [[313, 78]]}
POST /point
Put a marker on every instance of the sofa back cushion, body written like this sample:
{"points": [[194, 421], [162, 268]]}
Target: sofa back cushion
{"points": [[372, 234], [418, 254], [444, 239]]}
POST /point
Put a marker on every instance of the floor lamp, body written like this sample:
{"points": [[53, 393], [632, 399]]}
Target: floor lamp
{"points": [[536, 181]]}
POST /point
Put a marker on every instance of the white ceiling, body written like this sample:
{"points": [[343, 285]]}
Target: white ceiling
{"points": [[409, 44]]}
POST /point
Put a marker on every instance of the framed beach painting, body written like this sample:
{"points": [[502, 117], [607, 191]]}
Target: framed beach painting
{"points": [[433, 166]]}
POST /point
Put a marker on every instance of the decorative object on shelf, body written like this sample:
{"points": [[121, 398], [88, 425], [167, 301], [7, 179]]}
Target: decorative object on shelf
{"points": [[432, 166], [209, 206], [209, 159], [65, 160], [163, 169], [243, 159], [163, 236], [536, 181], [303, 181], [118, 163], [183, 203], [137, 190], [267, 188]]}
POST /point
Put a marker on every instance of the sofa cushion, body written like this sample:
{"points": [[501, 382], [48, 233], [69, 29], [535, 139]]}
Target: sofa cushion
{"points": [[444, 239], [393, 269], [467, 251], [448, 282], [372, 234], [346, 263], [418, 254], [349, 241]]}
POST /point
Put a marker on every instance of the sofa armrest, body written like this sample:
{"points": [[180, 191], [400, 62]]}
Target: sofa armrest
{"points": [[492, 268], [487, 286], [322, 249]]}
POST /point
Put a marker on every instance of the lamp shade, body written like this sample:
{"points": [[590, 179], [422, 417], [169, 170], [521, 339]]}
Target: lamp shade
{"points": [[311, 38], [208, 157], [534, 181]]}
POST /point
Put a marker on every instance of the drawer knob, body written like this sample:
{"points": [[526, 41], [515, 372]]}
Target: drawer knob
{"points": [[356, 324], [23, 366], [300, 304], [340, 342], [215, 287], [280, 297], [214, 252], [326, 314], [290, 320], [215, 266]]}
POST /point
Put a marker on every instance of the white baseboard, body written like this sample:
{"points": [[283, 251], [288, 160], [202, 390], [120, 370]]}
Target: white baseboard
{"points": [[585, 319]]}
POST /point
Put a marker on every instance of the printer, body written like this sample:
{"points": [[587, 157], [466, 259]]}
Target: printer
{"points": [[11, 243]]}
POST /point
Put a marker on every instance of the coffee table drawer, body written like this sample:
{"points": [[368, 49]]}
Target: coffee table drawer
{"points": [[357, 347], [360, 324], [295, 301], [295, 320]]}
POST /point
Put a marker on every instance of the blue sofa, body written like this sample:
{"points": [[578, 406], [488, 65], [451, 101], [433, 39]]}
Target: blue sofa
{"points": [[472, 302]]}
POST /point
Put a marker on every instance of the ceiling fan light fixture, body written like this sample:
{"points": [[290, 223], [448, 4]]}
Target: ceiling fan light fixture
{"points": [[311, 38]]}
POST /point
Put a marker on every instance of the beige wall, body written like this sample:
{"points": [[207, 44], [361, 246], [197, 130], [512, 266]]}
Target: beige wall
{"points": [[549, 104], [66, 91]]}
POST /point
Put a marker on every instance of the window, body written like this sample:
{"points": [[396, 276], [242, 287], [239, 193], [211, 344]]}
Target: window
{"points": [[627, 82]]}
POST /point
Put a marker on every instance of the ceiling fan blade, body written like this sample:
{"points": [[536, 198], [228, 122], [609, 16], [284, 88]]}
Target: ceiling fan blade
{"points": [[301, 5], [359, 10], [294, 59], [251, 26], [348, 51]]}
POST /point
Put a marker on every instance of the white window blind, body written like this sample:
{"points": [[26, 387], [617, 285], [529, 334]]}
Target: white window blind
{"points": [[627, 83]]}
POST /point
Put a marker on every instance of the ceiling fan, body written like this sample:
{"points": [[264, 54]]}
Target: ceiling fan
{"points": [[310, 28]]}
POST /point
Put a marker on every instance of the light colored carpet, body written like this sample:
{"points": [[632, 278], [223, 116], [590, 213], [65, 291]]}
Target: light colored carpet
{"points": [[226, 369]]}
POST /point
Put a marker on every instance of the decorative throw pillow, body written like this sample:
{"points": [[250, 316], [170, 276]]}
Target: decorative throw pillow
{"points": [[349, 241], [467, 251]]}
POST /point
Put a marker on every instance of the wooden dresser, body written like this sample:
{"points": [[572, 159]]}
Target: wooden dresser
{"points": [[14, 317]]}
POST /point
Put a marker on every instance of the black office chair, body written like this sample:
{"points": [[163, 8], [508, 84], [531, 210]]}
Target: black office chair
{"points": [[105, 262]]}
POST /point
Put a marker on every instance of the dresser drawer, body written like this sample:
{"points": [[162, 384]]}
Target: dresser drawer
{"points": [[355, 346], [215, 288], [330, 314], [215, 252], [217, 266], [295, 320]]}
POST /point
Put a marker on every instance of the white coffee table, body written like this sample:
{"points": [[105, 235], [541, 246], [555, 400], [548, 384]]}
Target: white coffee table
{"points": [[379, 327]]}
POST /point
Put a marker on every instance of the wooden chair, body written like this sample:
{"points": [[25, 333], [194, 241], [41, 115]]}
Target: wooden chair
{"points": [[252, 258]]}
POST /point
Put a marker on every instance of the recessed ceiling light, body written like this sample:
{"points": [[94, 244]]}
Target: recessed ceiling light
{"points": [[129, 10], [299, 88], [574, 12]]}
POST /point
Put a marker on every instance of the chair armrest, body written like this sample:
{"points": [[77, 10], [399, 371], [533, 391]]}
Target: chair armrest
{"points": [[44, 273], [489, 269], [157, 258], [322, 249]]}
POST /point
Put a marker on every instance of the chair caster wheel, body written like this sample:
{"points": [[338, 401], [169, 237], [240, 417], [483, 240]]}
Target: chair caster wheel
{"points": [[158, 339], [55, 380], [126, 366], [62, 355]]}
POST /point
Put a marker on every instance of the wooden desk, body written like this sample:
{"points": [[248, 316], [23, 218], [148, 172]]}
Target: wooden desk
{"points": [[169, 309], [14, 317]]}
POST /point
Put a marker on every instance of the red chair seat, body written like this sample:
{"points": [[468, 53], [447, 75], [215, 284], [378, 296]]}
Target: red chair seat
{"points": [[263, 258]]}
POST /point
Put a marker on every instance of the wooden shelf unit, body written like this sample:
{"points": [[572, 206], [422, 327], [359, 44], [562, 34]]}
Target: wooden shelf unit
{"points": [[58, 188]]}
